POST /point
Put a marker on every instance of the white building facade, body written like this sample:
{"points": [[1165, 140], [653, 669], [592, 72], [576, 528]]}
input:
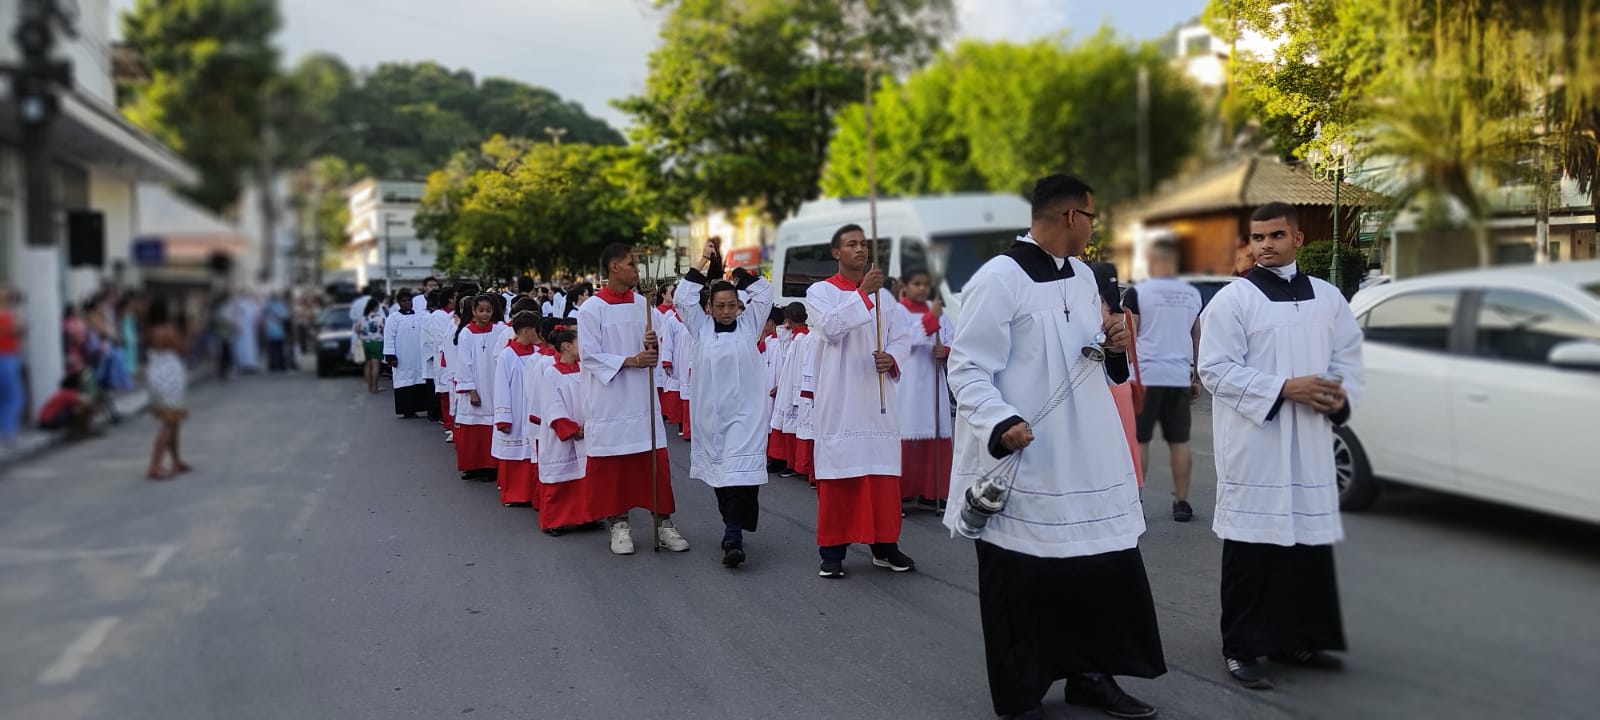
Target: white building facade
{"points": [[381, 246], [98, 161]]}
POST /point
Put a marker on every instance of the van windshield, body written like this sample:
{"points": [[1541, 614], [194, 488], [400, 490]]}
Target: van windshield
{"points": [[964, 252]]}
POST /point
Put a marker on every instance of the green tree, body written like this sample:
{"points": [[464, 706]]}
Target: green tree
{"points": [[996, 116], [741, 95], [208, 65], [516, 206]]}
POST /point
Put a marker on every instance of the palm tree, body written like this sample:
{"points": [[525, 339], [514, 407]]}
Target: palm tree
{"points": [[1449, 118]]}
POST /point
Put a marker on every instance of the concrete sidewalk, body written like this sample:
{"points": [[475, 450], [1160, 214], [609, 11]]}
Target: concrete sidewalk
{"points": [[33, 441]]}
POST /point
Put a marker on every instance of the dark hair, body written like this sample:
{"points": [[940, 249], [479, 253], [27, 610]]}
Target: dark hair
{"points": [[548, 325], [664, 292], [372, 305], [715, 287], [524, 284], [839, 234], [561, 337], [1274, 210], [523, 320], [905, 278], [524, 304], [431, 279], [775, 316], [466, 312], [582, 289], [466, 290], [614, 251], [1052, 189], [72, 381], [795, 312], [403, 299]]}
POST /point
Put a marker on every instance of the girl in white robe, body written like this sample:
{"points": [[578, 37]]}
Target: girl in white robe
{"points": [[563, 491], [792, 416], [475, 348], [514, 446], [730, 452], [924, 396]]}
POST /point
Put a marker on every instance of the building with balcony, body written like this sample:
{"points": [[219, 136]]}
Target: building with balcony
{"points": [[381, 247]]}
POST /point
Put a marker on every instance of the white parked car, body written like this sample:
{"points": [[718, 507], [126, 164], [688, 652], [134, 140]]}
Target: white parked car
{"points": [[1481, 383]]}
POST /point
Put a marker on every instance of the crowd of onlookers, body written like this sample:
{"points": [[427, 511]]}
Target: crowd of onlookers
{"points": [[104, 342]]}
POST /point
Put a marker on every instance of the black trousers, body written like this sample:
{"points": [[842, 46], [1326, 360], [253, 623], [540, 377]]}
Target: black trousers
{"points": [[740, 505]]}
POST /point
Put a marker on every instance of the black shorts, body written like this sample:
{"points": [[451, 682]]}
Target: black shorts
{"points": [[1169, 406]]}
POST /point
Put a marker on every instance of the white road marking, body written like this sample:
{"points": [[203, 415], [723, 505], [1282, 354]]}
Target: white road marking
{"points": [[75, 656], [163, 554], [25, 556], [302, 520]]}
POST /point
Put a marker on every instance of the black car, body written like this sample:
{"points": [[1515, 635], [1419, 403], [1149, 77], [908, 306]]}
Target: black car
{"points": [[334, 334]]}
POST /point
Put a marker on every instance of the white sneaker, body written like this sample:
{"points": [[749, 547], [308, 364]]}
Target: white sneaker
{"points": [[621, 538], [670, 538], [449, 436]]}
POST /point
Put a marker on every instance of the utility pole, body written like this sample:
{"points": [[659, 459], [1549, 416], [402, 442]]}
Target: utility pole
{"points": [[35, 84], [1143, 123], [555, 134]]}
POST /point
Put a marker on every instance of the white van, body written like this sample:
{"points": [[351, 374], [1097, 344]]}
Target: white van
{"points": [[951, 236]]}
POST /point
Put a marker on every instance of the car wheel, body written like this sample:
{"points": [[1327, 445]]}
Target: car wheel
{"points": [[1358, 489]]}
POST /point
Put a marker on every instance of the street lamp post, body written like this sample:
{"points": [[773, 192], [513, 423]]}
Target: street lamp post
{"points": [[1333, 163]]}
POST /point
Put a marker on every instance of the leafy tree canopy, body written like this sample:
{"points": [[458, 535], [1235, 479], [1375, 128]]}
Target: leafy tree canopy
{"points": [[742, 93]]}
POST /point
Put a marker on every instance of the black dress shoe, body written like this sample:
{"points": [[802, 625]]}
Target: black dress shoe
{"points": [[1249, 673], [1102, 692], [732, 556], [1315, 659], [1034, 714]]}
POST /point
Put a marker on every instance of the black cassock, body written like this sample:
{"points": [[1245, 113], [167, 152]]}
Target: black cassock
{"points": [[1278, 600], [1047, 618]]}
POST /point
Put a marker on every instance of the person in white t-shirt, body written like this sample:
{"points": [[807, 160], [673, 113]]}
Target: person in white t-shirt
{"points": [[1168, 331]]}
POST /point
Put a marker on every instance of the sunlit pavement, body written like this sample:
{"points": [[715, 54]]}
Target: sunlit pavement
{"points": [[325, 561]]}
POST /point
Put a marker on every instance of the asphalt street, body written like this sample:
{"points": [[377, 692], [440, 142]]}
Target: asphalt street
{"points": [[325, 561]]}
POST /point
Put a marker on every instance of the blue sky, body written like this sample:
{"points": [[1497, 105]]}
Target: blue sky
{"points": [[594, 50]]}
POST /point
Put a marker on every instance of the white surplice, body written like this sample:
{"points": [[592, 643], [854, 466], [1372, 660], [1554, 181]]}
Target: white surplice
{"points": [[666, 340], [561, 398], [856, 435], [475, 354], [1025, 319], [924, 398], [729, 416], [616, 400], [512, 406], [1275, 466], [402, 338]]}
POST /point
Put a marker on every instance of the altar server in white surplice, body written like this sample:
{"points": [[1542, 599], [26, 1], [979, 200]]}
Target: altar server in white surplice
{"points": [[403, 351], [618, 352], [858, 430], [1062, 590], [730, 451], [1281, 354]]}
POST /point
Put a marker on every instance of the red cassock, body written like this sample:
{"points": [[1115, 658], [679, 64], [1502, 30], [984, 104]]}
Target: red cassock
{"points": [[804, 461], [472, 448], [685, 417], [858, 510], [925, 468], [671, 406], [518, 482], [620, 483], [779, 447], [444, 411], [565, 504]]}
